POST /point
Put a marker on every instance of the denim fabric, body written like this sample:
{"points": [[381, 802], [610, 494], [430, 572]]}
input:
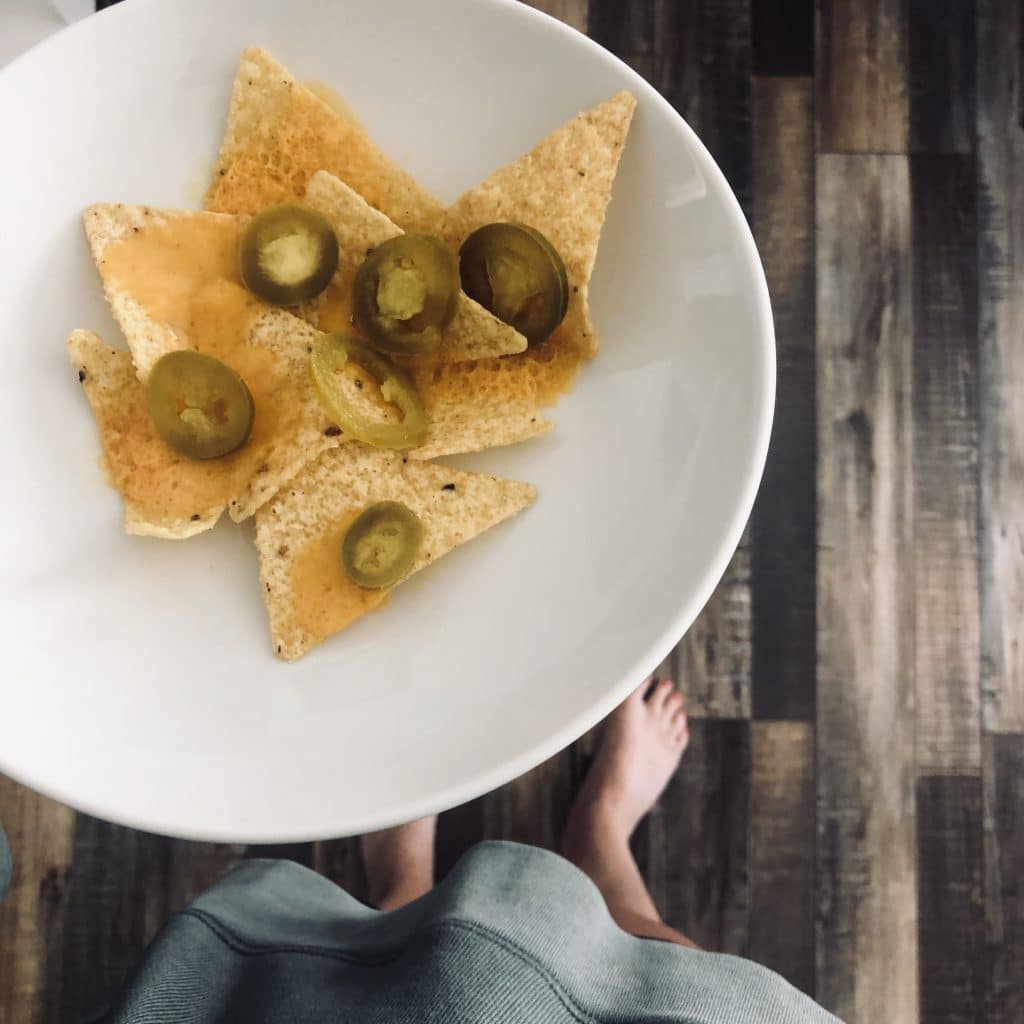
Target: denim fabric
{"points": [[6, 867], [514, 934]]}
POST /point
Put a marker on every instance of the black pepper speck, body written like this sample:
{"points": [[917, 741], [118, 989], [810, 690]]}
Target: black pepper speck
{"points": [[332, 431], [448, 487], [195, 517], [81, 376]]}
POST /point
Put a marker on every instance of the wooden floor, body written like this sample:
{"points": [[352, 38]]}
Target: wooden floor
{"points": [[851, 811]]}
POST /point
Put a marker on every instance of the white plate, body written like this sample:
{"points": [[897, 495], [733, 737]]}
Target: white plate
{"points": [[138, 681]]}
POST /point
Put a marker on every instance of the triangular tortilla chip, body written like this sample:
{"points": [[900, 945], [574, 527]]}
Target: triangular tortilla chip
{"points": [[561, 187], [299, 533], [279, 134], [473, 406], [166, 494], [474, 333]]}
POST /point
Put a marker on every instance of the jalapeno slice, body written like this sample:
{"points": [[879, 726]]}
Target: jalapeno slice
{"points": [[404, 294], [515, 272], [328, 358], [288, 254], [381, 545], [199, 405]]}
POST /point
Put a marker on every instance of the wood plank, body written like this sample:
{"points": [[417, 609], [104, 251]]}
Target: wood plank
{"points": [[950, 896], [1001, 327], [1004, 877], [945, 304], [301, 853], [867, 914], [783, 559], [697, 53], [862, 102], [724, 118], [532, 809], [783, 37], [942, 75], [116, 908], [126, 885], [341, 861], [33, 916], [658, 39], [712, 662], [572, 12], [694, 853], [458, 830], [780, 859]]}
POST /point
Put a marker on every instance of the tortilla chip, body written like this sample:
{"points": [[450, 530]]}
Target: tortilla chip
{"points": [[298, 533], [474, 406], [474, 333], [167, 494], [561, 188], [279, 134]]}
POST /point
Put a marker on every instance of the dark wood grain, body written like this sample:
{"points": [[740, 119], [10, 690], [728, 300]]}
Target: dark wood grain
{"points": [[117, 904], [867, 916], [572, 12], [862, 78], [943, 62], [1004, 878], [659, 39], [951, 927], [783, 37], [1001, 328], [532, 809], [945, 383], [341, 862], [783, 552], [458, 830], [713, 659], [695, 848], [126, 885], [33, 916], [712, 662], [724, 113], [780, 858], [301, 853], [697, 53]]}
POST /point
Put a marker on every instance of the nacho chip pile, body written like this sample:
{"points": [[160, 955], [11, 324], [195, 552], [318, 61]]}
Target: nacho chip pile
{"points": [[172, 280]]}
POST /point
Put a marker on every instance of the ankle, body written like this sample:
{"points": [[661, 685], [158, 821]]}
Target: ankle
{"points": [[602, 819], [594, 828]]}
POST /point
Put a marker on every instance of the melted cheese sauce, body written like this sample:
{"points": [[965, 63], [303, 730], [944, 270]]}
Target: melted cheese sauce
{"points": [[326, 600]]}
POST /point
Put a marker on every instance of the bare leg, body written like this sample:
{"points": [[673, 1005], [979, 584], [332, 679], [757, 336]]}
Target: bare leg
{"points": [[643, 743], [399, 863]]}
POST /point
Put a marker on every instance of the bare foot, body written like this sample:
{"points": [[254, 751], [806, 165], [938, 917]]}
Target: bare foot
{"points": [[643, 743], [399, 863], [644, 740]]}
